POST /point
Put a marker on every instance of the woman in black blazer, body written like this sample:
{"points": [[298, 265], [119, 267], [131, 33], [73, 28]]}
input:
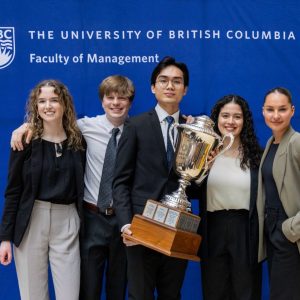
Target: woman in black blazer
{"points": [[229, 224], [43, 197]]}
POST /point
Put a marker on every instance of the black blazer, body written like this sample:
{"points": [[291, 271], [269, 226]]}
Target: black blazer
{"points": [[141, 171], [24, 175], [253, 219]]}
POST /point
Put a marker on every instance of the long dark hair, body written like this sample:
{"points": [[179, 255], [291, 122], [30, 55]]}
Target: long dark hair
{"points": [[251, 151]]}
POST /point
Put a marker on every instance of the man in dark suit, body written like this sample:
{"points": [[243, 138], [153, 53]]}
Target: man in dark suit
{"points": [[143, 172]]}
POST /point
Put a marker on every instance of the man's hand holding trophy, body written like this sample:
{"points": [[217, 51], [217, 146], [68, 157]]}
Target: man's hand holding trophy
{"points": [[168, 226]]}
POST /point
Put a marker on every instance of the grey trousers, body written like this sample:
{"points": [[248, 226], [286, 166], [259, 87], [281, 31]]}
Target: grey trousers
{"points": [[51, 237]]}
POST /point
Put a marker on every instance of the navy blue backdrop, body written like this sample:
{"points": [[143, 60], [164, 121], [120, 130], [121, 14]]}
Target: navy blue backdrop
{"points": [[244, 47]]}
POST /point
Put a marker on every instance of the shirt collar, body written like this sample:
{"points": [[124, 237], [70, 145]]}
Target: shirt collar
{"points": [[110, 126], [162, 114]]}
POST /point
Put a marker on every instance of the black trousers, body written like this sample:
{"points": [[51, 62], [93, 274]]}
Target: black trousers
{"points": [[226, 273], [102, 249], [283, 259], [150, 273]]}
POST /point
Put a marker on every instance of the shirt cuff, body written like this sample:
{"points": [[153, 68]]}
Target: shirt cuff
{"points": [[124, 227]]}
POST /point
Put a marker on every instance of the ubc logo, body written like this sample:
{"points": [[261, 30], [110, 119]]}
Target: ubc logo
{"points": [[7, 46]]}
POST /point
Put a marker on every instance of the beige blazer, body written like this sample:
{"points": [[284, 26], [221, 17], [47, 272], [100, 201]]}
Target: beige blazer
{"points": [[286, 172]]}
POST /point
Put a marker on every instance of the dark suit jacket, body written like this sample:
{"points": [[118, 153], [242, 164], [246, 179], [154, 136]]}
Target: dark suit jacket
{"points": [[141, 171], [253, 219], [24, 175]]}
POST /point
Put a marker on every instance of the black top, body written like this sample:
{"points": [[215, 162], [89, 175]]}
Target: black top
{"points": [[24, 176], [272, 197], [57, 184]]}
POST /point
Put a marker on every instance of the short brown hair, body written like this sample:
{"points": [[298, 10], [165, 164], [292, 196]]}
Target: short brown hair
{"points": [[118, 84]]}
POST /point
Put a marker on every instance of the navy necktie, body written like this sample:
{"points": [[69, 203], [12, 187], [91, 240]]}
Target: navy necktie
{"points": [[170, 150], [105, 190]]}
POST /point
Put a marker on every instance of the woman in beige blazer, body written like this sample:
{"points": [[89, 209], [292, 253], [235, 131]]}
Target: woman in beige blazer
{"points": [[278, 201]]}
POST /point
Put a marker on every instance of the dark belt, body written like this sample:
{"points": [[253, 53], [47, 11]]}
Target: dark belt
{"points": [[95, 209]]}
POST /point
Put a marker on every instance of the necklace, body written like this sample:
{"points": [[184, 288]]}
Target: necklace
{"points": [[234, 152], [58, 149]]}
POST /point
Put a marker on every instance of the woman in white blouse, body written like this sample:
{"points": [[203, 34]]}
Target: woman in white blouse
{"points": [[229, 223]]}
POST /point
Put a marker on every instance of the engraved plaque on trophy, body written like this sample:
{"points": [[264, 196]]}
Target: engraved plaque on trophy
{"points": [[171, 216], [168, 226], [150, 209], [160, 213]]}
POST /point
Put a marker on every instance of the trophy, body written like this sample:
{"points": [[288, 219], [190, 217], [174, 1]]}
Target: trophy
{"points": [[194, 144], [168, 226]]}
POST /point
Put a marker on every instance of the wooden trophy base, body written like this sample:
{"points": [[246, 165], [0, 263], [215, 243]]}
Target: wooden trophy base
{"points": [[164, 239]]}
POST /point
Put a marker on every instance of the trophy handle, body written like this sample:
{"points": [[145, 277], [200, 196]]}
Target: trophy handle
{"points": [[227, 135], [171, 136], [206, 168]]}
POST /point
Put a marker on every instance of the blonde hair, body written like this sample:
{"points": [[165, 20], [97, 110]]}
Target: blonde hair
{"points": [[69, 116]]}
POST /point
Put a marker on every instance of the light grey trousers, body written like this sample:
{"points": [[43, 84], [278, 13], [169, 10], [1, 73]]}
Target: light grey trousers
{"points": [[52, 237]]}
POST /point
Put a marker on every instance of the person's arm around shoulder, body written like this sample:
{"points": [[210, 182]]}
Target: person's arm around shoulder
{"points": [[17, 137]]}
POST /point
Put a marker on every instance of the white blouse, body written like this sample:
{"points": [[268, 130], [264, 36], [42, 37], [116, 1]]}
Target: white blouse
{"points": [[228, 186]]}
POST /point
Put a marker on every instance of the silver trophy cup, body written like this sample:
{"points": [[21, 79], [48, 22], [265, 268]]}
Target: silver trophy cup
{"points": [[194, 144]]}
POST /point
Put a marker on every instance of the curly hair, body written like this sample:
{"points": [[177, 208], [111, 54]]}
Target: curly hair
{"points": [[69, 116], [250, 149]]}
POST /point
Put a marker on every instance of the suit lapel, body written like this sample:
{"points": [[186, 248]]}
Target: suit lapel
{"points": [[36, 164], [155, 125], [261, 202], [253, 190], [79, 173], [266, 150], [156, 131], [279, 164], [181, 120]]}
